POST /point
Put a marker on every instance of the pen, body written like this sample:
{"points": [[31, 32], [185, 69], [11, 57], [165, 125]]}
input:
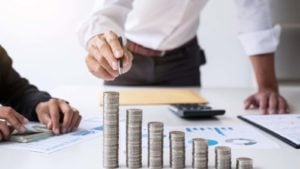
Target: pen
{"points": [[120, 60]]}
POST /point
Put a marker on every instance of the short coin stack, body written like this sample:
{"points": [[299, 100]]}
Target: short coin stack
{"points": [[134, 138], [110, 129], [223, 157], [244, 163], [177, 149], [155, 144], [200, 153]]}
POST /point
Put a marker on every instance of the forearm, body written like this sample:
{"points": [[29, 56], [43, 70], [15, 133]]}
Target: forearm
{"points": [[17, 92], [264, 69]]}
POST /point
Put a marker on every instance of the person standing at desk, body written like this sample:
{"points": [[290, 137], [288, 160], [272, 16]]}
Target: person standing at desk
{"points": [[162, 47], [22, 102]]}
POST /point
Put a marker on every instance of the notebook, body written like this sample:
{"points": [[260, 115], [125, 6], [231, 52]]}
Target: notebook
{"points": [[285, 127]]}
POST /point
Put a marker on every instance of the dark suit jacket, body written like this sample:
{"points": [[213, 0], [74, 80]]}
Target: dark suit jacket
{"points": [[17, 92]]}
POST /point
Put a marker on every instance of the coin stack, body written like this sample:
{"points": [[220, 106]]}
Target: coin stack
{"points": [[223, 157], [200, 153], [155, 145], [244, 163], [134, 138], [177, 149], [110, 129]]}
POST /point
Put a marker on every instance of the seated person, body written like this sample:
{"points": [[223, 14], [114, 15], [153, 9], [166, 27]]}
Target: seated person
{"points": [[22, 102]]}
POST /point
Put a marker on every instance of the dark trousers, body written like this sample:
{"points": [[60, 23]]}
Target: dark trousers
{"points": [[180, 67]]}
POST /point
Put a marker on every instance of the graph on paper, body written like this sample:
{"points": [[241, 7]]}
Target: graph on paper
{"points": [[237, 137]]}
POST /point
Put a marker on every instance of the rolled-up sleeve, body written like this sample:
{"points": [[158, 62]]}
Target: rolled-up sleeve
{"points": [[107, 15], [256, 31]]}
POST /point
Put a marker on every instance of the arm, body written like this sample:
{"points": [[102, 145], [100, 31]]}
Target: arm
{"points": [[108, 15], [17, 95], [99, 35], [260, 40], [16, 92]]}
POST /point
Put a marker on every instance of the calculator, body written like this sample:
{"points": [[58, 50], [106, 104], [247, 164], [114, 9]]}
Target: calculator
{"points": [[195, 110]]}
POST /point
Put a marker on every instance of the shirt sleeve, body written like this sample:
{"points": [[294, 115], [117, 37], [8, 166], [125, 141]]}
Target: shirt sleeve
{"points": [[17, 92], [107, 15], [256, 31]]}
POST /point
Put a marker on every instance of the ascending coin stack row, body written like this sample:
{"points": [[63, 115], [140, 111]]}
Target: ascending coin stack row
{"points": [[134, 138], [110, 129], [155, 144]]}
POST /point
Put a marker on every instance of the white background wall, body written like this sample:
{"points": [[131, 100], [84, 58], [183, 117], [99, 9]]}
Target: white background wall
{"points": [[40, 35]]}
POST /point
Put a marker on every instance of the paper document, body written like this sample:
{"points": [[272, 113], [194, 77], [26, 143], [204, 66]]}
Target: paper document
{"points": [[158, 96], [89, 128], [236, 137], [285, 127]]}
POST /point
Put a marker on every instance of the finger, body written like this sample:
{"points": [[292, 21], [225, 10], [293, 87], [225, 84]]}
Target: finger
{"points": [[44, 116], [21, 118], [263, 104], [46, 120], [248, 102], [113, 41], [95, 53], [9, 115], [283, 106], [96, 69], [78, 122], [105, 50], [128, 57], [68, 115], [103, 62], [4, 130], [54, 115], [1, 136], [74, 121], [273, 103]]}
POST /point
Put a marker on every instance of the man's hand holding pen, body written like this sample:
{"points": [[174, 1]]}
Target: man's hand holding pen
{"points": [[107, 57]]}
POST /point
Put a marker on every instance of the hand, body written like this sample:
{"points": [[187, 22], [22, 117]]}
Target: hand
{"points": [[51, 113], [268, 102], [104, 50], [10, 120]]}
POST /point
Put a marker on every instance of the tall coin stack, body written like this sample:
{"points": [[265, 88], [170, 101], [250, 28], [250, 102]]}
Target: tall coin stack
{"points": [[223, 157], [200, 153], [110, 129], [177, 149], [134, 138], [244, 163], [155, 144]]}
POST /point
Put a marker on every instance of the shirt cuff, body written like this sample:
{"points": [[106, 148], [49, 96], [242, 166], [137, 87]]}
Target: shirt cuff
{"points": [[261, 42]]}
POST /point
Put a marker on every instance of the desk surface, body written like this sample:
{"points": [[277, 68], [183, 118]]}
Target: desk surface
{"points": [[89, 154]]}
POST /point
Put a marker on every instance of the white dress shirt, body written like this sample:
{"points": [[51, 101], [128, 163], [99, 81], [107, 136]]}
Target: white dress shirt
{"points": [[168, 24]]}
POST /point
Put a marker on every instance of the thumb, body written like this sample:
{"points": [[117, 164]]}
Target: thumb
{"points": [[46, 120]]}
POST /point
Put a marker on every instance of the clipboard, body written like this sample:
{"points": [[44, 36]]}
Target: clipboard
{"points": [[270, 131]]}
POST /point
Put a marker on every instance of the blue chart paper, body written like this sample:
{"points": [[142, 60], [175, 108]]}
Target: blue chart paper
{"points": [[236, 137]]}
